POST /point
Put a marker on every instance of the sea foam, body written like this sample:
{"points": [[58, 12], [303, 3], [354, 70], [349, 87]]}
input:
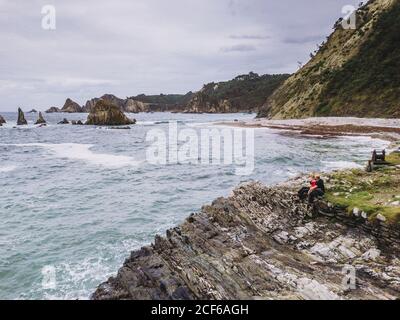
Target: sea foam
{"points": [[7, 168], [82, 152]]}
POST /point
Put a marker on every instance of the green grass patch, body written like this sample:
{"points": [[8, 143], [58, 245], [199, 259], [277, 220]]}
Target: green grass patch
{"points": [[394, 158], [374, 193]]}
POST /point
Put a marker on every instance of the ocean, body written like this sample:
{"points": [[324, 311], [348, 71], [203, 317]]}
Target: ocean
{"points": [[75, 200]]}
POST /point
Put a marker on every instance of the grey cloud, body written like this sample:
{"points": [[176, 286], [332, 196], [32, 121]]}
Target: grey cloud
{"points": [[238, 48], [248, 37], [130, 47], [304, 39]]}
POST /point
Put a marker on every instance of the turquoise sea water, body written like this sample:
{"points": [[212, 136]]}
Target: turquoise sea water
{"points": [[78, 199]]}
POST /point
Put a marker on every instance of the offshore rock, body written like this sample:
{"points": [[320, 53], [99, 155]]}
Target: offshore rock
{"points": [[21, 118], [53, 110], [127, 105], [40, 119], [64, 121], [107, 114], [2, 120], [71, 107], [259, 243]]}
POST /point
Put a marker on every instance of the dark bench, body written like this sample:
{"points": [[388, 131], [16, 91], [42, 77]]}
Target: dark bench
{"points": [[378, 158]]}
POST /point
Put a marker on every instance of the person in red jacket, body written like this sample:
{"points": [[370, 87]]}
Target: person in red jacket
{"points": [[305, 191], [317, 190]]}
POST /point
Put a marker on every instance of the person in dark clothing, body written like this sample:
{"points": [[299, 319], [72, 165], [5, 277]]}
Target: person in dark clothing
{"points": [[320, 184]]}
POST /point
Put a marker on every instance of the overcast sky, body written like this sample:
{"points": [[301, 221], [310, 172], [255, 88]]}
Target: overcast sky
{"points": [[127, 47]]}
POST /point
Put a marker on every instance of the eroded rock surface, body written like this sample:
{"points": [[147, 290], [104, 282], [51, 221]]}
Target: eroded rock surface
{"points": [[53, 110], [40, 119], [21, 118], [259, 243], [71, 106], [107, 114]]}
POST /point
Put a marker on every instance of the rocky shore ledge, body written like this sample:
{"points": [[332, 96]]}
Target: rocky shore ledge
{"points": [[263, 243], [326, 127]]}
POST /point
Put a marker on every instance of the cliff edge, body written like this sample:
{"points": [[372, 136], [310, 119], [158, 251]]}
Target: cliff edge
{"points": [[263, 243]]}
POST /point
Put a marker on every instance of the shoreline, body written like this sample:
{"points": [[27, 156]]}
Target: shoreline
{"points": [[327, 127], [261, 242]]}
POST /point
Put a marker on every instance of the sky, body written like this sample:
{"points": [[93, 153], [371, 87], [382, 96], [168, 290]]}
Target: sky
{"points": [[129, 47]]}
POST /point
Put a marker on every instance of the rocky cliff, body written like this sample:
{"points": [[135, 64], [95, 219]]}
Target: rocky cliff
{"points": [[262, 243], [141, 103], [354, 73], [164, 102], [245, 93]]}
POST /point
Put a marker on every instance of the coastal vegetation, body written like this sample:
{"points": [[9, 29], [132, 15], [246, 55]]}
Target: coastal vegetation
{"points": [[245, 93], [353, 73], [375, 194]]}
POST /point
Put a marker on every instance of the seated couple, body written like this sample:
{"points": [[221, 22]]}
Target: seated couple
{"points": [[316, 189]]}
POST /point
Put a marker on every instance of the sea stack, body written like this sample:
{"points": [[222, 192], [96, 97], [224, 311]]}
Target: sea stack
{"points": [[2, 120], [40, 119], [107, 114], [71, 107], [21, 118]]}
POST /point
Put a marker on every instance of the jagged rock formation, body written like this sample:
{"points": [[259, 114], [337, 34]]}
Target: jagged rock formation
{"points": [[21, 118], [135, 106], [109, 98], [89, 105], [71, 107], [107, 114], [261, 242], [32, 111], [354, 73], [245, 93], [40, 119], [53, 110], [125, 105], [2, 120], [143, 103]]}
